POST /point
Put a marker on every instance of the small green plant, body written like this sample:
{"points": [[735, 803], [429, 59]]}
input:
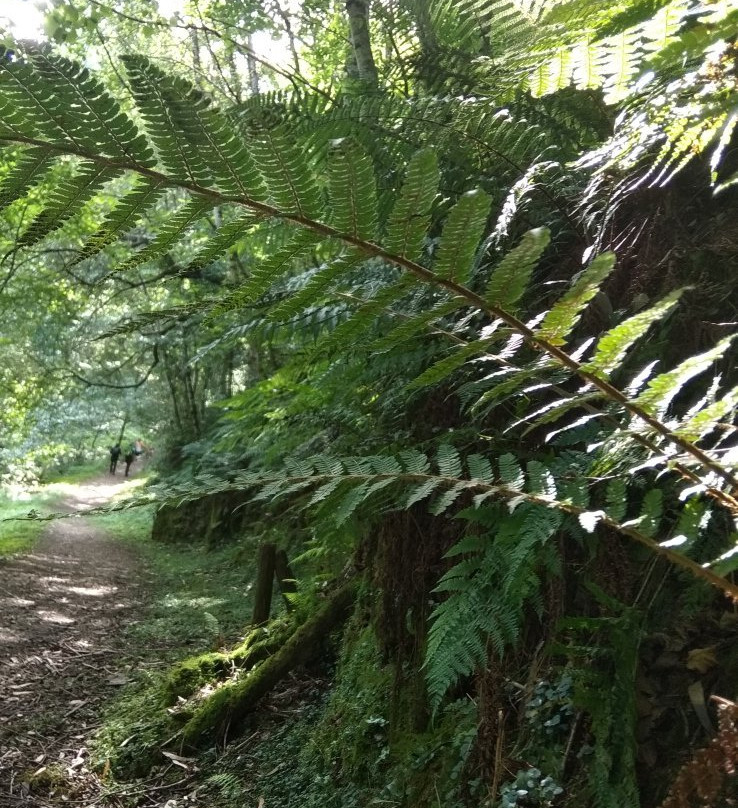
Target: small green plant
{"points": [[530, 789], [550, 708]]}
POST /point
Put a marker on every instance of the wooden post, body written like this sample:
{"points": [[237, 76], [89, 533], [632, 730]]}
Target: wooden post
{"points": [[285, 578], [264, 583]]}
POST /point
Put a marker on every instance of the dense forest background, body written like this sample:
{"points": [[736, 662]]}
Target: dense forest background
{"points": [[427, 307]]}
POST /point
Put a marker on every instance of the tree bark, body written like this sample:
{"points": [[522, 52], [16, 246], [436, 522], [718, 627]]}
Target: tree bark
{"points": [[123, 428], [251, 64], [285, 578], [358, 19], [264, 583]]}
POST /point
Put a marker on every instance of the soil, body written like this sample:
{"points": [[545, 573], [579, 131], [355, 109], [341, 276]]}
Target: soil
{"points": [[64, 609]]}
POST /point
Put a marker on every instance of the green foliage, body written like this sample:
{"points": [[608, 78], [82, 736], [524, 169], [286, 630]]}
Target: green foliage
{"points": [[530, 788], [464, 227], [488, 591], [604, 686], [510, 278], [408, 223], [193, 141], [559, 322], [346, 251]]}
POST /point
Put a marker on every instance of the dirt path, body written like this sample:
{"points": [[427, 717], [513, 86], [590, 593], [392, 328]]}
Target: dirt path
{"points": [[63, 608]]}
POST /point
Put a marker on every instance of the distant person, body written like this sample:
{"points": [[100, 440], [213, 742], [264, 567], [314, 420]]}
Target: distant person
{"points": [[129, 457], [138, 447], [114, 455]]}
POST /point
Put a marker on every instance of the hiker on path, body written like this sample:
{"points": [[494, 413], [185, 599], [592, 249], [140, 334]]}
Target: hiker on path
{"points": [[130, 456], [114, 455]]}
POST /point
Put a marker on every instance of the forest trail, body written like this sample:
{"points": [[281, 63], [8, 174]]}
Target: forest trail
{"points": [[64, 606]]}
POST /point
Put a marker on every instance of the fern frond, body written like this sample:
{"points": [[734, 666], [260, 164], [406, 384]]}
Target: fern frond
{"points": [[461, 235], [440, 370], [510, 472], [169, 234], [449, 462], [65, 199], [708, 418], [319, 282], [366, 315], [510, 278], [302, 244], [352, 190], [127, 212], [291, 184], [662, 389], [227, 236], [93, 116], [487, 591], [479, 468], [613, 346], [28, 171], [169, 108], [617, 501], [410, 216], [415, 326], [565, 314]]}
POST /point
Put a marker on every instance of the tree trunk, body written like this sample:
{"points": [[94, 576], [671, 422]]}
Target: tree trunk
{"points": [[123, 428], [264, 583], [358, 19], [251, 64], [285, 578]]}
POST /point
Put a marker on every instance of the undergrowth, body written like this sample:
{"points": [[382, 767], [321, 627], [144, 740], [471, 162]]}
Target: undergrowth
{"points": [[198, 601], [17, 536]]}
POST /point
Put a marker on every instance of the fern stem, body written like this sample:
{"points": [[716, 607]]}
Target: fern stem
{"points": [[684, 471], [503, 491], [424, 274]]}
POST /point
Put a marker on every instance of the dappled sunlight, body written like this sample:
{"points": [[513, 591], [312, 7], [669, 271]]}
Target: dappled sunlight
{"points": [[173, 602], [92, 591], [60, 648], [15, 601], [8, 637], [55, 617]]}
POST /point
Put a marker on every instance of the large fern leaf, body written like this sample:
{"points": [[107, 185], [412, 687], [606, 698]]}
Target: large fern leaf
{"points": [[461, 234], [510, 278], [410, 216]]}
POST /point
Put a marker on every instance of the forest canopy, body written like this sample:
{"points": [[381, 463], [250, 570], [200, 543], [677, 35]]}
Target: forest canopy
{"points": [[444, 291]]}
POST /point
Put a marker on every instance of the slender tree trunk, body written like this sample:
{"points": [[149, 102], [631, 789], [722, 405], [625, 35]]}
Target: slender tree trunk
{"points": [[172, 393], [420, 9], [253, 74], [123, 428], [234, 75], [196, 61], [358, 19], [285, 578], [285, 17], [264, 584], [192, 403]]}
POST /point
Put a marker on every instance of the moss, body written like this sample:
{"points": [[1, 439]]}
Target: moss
{"points": [[350, 741], [231, 702], [134, 728], [45, 778], [186, 677]]}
